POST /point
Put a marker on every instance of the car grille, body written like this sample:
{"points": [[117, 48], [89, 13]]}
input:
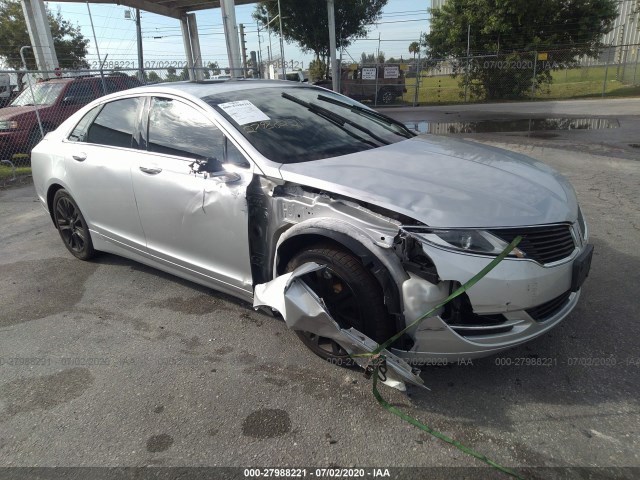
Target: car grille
{"points": [[549, 309], [543, 244]]}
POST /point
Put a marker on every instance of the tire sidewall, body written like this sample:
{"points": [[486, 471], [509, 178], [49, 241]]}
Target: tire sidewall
{"points": [[88, 251]]}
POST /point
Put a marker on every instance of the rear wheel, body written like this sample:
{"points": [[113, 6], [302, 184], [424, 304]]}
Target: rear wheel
{"points": [[386, 96], [72, 226], [352, 296]]}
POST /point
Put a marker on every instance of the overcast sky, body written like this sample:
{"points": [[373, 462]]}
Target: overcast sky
{"points": [[401, 23]]}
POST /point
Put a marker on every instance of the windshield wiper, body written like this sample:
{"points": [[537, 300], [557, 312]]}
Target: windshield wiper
{"points": [[334, 117], [370, 113]]}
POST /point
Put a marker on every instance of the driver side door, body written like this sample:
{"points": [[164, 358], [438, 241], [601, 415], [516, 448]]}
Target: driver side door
{"points": [[193, 211]]}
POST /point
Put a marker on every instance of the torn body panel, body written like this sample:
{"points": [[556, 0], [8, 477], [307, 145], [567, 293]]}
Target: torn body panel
{"points": [[303, 310], [286, 218]]}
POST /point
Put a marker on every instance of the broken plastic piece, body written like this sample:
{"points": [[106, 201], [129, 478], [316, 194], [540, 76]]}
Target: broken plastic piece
{"points": [[303, 310]]}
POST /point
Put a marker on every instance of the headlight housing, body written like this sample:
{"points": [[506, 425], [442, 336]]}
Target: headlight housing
{"points": [[8, 125], [470, 241]]}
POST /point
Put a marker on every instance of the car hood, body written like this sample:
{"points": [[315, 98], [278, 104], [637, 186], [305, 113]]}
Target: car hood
{"points": [[445, 182], [10, 113]]}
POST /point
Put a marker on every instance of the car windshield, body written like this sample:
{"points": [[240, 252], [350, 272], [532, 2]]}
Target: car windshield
{"points": [[43, 94], [300, 124]]}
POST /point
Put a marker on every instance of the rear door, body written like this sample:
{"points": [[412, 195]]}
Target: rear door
{"points": [[194, 220], [98, 158]]}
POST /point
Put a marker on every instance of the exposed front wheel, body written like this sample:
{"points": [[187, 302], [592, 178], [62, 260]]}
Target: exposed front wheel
{"points": [[352, 296], [72, 226]]}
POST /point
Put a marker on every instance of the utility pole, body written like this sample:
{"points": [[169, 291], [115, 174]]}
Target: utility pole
{"points": [[243, 48], [284, 74], [139, 38], [127, 15], [332, 44]]}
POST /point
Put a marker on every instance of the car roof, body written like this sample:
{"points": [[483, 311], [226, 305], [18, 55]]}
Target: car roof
{"points": [[205, 88]]}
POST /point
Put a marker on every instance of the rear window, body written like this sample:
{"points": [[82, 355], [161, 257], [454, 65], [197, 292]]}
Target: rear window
{"points": [[299, 124]]}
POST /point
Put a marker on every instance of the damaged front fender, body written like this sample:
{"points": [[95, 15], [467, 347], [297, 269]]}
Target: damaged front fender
{"points": [[303, 310]]}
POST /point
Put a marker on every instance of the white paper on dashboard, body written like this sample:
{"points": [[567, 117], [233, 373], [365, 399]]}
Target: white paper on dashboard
{"points": [[243, 112]]}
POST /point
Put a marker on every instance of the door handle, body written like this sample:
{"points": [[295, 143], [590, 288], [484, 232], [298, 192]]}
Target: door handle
{"points": [[151, 170], [81, 157]]}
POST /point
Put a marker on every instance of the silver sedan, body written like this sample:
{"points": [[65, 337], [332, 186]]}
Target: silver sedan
{"points": [[234, 184]]}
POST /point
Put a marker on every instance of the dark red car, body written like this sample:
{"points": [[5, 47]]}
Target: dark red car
{"points": [[56, 99]]}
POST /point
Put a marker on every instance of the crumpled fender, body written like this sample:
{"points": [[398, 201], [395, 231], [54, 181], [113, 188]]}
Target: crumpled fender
{"points": [[303, 310]]}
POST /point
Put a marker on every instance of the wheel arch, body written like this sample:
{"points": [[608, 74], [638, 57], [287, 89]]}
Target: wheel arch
{"points": [[382, 263], [51, 192]]}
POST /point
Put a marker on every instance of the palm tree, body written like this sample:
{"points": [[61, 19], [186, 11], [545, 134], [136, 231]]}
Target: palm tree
{"points": [[414, 47]]}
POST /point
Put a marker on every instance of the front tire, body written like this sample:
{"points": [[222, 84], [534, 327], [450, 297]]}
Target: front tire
{"points": [[72, 226], [352, 296]]}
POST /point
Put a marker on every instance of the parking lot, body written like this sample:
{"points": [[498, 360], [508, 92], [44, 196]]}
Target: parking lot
{"points": [[111, 363]]}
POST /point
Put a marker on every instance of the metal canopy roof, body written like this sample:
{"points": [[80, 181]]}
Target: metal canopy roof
{"points": [[169, 8]]}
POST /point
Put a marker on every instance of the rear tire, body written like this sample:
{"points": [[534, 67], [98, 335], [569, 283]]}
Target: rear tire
{"points": [[352, 296], [385, 96], [72, 226]]}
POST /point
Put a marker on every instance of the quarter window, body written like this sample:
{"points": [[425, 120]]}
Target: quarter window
{"points": [[79, 134], [115, 124]]}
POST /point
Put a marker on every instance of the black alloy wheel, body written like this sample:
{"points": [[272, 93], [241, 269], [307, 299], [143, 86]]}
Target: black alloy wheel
{"points": [[72, 226]]}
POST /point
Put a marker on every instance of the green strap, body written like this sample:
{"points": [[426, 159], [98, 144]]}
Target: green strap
{"points": [[380, 359], [422, 426], [470, 283]]}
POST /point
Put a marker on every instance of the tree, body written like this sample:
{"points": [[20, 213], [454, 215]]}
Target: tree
{"points": [[214, 67], [306, 23], [513, 31], [153, 77], [69, 43], [171, 75], [414, 47]]}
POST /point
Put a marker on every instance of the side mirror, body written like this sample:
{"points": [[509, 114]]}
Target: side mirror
{"points": [[225, 177], [70, 100]]}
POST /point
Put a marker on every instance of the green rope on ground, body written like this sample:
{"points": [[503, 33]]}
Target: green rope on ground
{"points": [[380, 360], [417, 423]]}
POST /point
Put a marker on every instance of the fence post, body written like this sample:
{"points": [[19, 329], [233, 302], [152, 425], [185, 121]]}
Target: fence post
{"points": [[466, 78], [415, 97], [606, 73], [635, 70], [535, 67]]}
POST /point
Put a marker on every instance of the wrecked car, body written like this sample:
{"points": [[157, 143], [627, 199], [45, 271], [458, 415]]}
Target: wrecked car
{"points": [[234, 184]]}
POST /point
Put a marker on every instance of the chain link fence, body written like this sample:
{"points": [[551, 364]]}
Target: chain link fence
{"points": [[532, 75], [33, 104]]}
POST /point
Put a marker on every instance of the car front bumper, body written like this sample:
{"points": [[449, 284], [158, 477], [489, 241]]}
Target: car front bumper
{"points": [[527, 298]]}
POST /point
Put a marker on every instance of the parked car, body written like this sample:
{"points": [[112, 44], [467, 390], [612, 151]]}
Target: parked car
{"points": [[232, 184], [382, 84], [7, 90], [56, 99]]}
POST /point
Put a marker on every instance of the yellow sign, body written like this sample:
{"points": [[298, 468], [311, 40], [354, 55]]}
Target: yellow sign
{"points": [[353, 66], [543, 56], [404, 67]]}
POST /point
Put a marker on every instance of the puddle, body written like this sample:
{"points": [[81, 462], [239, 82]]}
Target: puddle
{"points": [[516, 125]]}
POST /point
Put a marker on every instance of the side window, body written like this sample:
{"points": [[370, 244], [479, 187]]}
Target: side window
{"points": [[79, 134], [79, 93], [178, 129], [115, 124], [112, 84]]}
